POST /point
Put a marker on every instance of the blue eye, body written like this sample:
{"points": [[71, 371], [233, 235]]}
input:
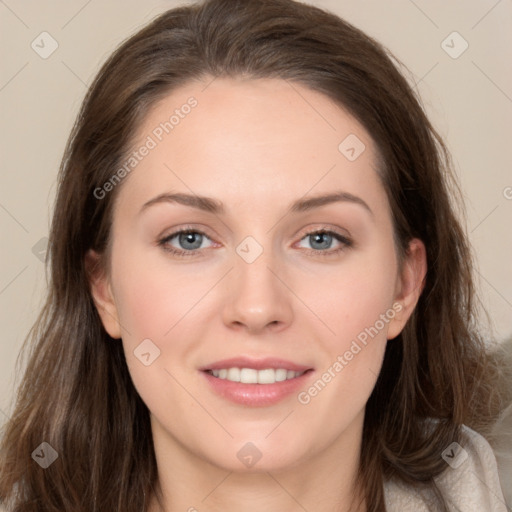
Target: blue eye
{"points": [[190, 242], [321, 242]]}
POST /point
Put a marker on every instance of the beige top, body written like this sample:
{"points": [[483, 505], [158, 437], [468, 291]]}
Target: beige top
{"points": [[470, 482]]}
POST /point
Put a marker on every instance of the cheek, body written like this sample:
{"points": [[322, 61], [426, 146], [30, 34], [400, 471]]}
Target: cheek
{"points": [[156, 304], [352, 299], [358, 310], [354, 306], [152, 299], [359, 316]]}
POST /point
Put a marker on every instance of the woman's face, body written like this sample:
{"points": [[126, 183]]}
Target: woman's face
{"points": [[250, 282]]}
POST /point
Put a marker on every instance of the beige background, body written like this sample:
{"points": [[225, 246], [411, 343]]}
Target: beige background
{"points": [[469, 99]]}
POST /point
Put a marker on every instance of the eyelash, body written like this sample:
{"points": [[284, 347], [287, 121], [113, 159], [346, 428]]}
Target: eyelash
{"points": [[346, 243]]}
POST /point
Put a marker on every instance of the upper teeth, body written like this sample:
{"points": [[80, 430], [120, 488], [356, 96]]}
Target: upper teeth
{"points": [[252, 376]]}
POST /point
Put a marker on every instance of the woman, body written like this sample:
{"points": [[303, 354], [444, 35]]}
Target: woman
{"points": [[314, 347]]}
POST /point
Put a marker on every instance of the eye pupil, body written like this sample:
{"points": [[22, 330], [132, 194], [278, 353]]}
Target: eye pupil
{"points": [[194, 239], [323, 239]]}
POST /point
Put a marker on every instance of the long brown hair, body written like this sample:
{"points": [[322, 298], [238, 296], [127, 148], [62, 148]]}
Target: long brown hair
{"points": [[77, 395]]}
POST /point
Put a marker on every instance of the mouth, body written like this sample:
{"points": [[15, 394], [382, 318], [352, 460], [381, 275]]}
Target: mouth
{"points": [[256, 382], [253, 376]]}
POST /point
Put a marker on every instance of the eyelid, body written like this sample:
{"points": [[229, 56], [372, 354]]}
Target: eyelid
{"points": [[187, 228], [323, 228]]}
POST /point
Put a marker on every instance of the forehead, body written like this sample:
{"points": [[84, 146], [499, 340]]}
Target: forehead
{"points": [[252, 141]]}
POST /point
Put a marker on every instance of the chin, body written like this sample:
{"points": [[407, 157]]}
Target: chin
{"points": [[257, 456]]}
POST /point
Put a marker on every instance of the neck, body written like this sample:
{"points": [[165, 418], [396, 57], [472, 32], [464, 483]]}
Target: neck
{"points": [[325, 482]]}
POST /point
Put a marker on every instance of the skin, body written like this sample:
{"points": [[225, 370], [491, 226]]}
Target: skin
{"points": [[257, 146]]}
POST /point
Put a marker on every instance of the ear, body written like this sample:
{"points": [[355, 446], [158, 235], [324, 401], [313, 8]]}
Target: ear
{"points": [[101, 292], [410, 284]]}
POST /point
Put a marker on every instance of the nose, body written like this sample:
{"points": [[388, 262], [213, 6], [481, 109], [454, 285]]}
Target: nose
{"points": [[257, 300]]}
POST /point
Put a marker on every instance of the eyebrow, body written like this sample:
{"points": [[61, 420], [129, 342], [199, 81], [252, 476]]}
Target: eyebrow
{"points": [[211, 205]]}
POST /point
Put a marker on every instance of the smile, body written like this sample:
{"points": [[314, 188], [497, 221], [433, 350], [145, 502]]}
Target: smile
{"points": [[252, 376]]}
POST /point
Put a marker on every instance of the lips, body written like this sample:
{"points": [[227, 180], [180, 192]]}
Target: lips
{"points": [[256, 364], [254, 393]]}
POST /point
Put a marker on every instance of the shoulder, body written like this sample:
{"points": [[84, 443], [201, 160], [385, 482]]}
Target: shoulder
{"points": [[469, 482], [502, 446]]}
